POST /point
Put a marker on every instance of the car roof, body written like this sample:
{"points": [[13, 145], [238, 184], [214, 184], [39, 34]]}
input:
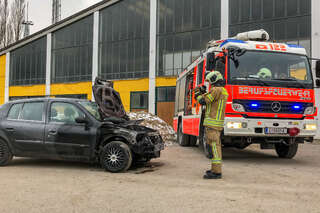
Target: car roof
{"points": [[46, 99]]}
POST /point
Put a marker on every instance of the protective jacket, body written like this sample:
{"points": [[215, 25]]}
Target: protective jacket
{"points": [[216, 101]]}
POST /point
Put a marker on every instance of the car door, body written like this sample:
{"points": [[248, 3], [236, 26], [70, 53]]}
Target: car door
{"points": [[24, 126], [64, 137]]}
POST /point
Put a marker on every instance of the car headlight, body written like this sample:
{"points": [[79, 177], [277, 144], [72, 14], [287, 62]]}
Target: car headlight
{"points": [[311, 127], [234, 125], [238, 108], [309, 111]]}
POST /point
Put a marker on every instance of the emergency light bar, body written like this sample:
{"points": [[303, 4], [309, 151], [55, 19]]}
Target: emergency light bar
{"points": [[256, 35]]}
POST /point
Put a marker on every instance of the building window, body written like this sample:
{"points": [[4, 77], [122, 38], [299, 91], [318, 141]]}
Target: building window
{"points": [[166, 94], [139, 100], [72, 52], [28, 63], [184, 29], [284, 20], [124, 40]]}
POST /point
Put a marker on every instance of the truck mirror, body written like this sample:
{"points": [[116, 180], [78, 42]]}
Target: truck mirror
{"points": [[211, 61], [318, 69]]}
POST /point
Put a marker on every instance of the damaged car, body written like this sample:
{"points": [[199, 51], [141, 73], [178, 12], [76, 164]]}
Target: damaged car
{"points": [[76, 130]]}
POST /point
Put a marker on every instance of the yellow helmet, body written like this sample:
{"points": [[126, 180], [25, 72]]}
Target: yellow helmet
{"points": [[264, 73]]}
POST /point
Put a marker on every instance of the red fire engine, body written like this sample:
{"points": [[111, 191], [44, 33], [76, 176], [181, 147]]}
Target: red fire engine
{"points": [[271, 94]]}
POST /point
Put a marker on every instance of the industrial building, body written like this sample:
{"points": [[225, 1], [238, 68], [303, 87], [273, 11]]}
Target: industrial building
{"points": [[142, 45]]}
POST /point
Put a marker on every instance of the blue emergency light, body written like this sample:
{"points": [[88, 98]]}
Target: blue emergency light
{"points": [[296, 107], [254, 105]]}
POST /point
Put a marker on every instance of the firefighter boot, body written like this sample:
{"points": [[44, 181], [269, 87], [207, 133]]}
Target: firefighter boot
{"points": [[211, 175]]}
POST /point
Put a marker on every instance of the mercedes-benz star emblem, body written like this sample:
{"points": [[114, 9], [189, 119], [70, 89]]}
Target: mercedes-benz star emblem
{"points": [[276, 106]]}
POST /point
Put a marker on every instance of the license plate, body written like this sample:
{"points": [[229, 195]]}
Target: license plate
{"points": [[272, 130]]}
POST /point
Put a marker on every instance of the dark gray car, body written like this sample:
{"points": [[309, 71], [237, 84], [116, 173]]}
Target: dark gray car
{"points": [[72, 129]]}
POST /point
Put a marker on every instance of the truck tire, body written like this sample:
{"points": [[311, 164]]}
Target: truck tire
{"points": [[5, 153], [286, 151], [116, 157], [192, 140], [183, 139], [204, 146]]}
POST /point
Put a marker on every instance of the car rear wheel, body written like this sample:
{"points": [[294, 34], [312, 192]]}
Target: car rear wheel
{"points": [[183, 139], [286, 151], [116, 157], [5, 153]]}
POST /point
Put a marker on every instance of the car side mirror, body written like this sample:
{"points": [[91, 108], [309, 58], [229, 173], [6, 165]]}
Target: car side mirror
{"points": [[211, 61], [81, 120], [318, 69]]}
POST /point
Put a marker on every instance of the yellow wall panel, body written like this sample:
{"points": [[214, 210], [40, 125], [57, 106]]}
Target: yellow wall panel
{"points": [[72, 89], [2, 77], [166, 81], [32, 90], [124, 87]]}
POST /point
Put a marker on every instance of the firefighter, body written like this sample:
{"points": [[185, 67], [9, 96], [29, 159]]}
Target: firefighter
{"points": [[215, 101], [264, 73]]}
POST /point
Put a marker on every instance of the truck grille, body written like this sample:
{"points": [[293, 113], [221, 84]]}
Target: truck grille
{"points": [[273, 106]]}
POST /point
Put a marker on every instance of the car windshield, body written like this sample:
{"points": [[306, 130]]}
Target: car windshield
{"points": [[270, 69], [92, 108]]}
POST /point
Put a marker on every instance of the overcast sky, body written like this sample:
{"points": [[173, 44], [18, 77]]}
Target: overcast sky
{"points": [[40, 11]]}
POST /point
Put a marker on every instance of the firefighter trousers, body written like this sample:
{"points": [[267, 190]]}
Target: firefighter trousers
{"points": [[213, 139]]}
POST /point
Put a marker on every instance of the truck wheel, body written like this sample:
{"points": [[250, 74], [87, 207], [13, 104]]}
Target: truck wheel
{"points": [[205, 147], [116, 157], [286, 151], [5, 153], [183, 139], [192, 140]]}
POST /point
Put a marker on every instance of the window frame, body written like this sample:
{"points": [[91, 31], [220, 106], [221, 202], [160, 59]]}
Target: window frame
{"points": [[15, 104], [23, 104], [166, 95], [64, 123], [138, 92]]}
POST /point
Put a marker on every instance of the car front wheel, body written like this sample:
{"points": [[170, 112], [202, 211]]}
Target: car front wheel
{"points": [[116, 157], [5, 153]]}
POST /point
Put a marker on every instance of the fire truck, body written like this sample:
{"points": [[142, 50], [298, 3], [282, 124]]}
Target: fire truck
{"points": [[271, 94]]}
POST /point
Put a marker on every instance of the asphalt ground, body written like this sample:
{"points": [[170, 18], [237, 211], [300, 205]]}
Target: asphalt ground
{"points": [[253, 181]]}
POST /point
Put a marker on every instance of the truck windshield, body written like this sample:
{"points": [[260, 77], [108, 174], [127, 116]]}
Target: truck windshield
{"points": [[92, 108], [271, 69]]}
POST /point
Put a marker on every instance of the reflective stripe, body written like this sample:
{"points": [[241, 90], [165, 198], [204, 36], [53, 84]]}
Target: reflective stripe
{"points": [[199, 98], [225, 92], [208, 109], [216, 161], [214, 151], [213, 124], [210, 97], [219, 109]]}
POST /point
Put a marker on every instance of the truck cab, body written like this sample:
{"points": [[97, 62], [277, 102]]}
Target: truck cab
{"points": [[271, 94]]}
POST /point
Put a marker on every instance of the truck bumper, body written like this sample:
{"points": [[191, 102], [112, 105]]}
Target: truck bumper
{"points": [[257, 127]]}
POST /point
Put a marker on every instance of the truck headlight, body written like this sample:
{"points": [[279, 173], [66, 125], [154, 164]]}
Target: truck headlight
{"points": [[234, 125], [309, 111], [311, 127], [238, 108]]}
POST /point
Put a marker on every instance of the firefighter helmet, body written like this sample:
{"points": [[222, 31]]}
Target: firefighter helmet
{"points": [[264, 73], [213, 77]]}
